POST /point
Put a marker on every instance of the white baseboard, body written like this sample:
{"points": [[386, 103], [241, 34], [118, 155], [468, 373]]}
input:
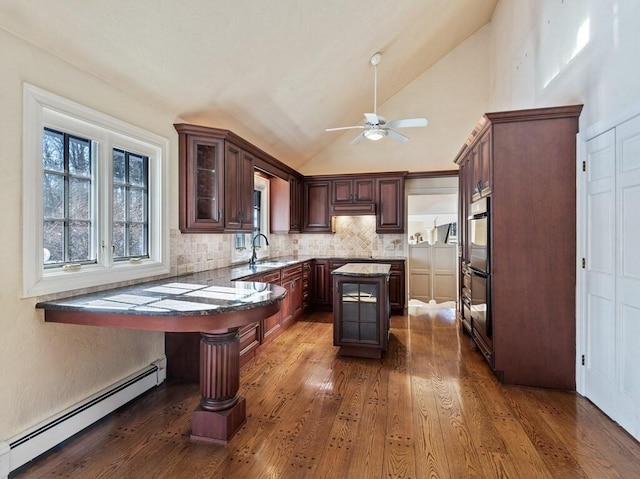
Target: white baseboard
{"points": [[28, 445]]}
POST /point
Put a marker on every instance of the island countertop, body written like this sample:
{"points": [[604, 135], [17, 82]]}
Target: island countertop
{"points": [[363, 270]]}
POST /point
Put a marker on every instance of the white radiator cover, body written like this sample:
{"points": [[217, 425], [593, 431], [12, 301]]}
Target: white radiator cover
{"points": [[37, 440]]}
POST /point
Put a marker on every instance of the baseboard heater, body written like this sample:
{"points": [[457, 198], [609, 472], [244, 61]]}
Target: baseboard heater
{"points": [[37, 440]]}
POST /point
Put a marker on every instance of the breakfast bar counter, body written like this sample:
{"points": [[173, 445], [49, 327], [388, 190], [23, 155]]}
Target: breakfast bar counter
{"points": [[206, 302]]}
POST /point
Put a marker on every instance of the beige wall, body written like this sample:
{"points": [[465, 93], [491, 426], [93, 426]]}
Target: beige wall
{"points": [[45, 368]]}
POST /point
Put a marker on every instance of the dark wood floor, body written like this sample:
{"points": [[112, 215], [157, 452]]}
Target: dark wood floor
{"points": [[429, 409]]}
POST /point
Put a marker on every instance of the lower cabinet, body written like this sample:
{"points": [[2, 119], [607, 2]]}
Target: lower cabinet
{"points": [[323, 294], [361, 315]]}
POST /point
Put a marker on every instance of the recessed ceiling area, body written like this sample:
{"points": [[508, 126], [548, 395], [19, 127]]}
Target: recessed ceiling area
{"points": [[276, 73]]}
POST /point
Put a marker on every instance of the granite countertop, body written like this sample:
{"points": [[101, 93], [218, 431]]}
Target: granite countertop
{"points": [[363, 270], [209, 292]]}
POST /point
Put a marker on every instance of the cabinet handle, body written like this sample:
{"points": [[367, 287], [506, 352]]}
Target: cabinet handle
{"points": [[479, 186], [221, 215]]}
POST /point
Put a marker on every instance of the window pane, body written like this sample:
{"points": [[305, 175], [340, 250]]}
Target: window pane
{"points": [[79, 157], [53, 150], [136, 205], [79, 199], [118, 240], [118, 166], [53, 195], [54, 241], [137, 169], [119, 203], [79, 240], [137, 243]]}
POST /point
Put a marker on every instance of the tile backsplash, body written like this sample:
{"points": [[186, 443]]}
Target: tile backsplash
{"points": [[355, 236]]}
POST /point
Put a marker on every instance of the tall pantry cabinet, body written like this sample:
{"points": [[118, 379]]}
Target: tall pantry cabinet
{"points": [[525, 162]]}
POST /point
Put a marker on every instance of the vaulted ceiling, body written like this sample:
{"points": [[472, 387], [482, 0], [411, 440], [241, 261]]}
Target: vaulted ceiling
{"points": [[277, 73]]}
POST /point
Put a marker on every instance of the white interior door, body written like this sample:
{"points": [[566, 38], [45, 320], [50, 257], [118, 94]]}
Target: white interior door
{"points": [[600, 271], [628, 278], [612, 277]]}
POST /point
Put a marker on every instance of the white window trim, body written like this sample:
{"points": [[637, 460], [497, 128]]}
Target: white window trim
{"points": [[40, 109]]}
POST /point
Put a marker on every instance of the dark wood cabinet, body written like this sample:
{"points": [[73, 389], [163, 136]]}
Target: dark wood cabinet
{"points": [[201, 182], [307, 285], [323, 293], [396, 286], [238, 198], [358, 190], [360, 312], [525, 162], [321, 284], [291, 307], [389, 197], [316, 214], [295, 205], [215, 181]]}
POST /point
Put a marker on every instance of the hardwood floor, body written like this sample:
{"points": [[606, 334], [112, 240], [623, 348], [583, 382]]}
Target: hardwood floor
{"points": [[429, 409]]}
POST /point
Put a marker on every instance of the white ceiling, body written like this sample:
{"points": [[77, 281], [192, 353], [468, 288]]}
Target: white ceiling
{"points": [[277, 73]]}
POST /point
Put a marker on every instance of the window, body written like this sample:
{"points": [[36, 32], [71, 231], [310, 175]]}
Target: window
{"points": [[99, 215], [242, 244]]}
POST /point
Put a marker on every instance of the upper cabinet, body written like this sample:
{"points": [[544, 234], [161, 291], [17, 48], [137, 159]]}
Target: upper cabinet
{"points": [[238, 194], [389, 196], [352, 196], [216, 181], [316, 214], [295, 208], [379, 194]]}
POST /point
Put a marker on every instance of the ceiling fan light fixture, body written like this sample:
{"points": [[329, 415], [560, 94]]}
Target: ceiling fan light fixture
{"points": [[375, 134]]}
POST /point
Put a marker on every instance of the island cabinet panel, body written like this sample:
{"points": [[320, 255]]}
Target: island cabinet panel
{"points": [[520, 167], [361, 309], [316, 210]]}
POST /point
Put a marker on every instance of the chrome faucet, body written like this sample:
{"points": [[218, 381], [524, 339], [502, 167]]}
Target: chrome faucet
{"points": [[254, 256]]}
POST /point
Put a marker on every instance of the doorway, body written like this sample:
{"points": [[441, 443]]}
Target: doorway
{"points": [[432, 215]]}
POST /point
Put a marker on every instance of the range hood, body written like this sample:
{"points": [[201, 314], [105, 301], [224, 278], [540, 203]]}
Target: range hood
{"points": [[353, 209]]}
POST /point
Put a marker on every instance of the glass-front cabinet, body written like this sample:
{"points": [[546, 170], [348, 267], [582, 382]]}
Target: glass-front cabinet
{"points": [[361, 309]]}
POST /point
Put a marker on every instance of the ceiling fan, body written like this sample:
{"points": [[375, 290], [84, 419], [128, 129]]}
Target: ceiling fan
{"points": [[375, 126]]}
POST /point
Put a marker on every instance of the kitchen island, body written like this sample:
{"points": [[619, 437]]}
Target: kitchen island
{"points": [[207, 303], [361, 309]]}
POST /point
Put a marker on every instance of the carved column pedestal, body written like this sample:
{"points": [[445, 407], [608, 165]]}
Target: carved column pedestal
{"points": [[221, 411]]}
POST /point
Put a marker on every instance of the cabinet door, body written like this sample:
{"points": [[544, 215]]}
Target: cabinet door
{"points": [[201, 184], [321, 283], [396, 287], [486, 163], [363, 190], [317, 218], [238, 214], [360, 190], [295, 208], [481, 185], [390, 202]]}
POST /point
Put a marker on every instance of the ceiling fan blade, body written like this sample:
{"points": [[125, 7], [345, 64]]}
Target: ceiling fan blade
{"points": [[372, 118], [346, 128], [408, 122], [357, 139], [397, 136]]}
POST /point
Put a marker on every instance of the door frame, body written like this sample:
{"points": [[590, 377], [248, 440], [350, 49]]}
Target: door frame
{"points": [[582, 138]]}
